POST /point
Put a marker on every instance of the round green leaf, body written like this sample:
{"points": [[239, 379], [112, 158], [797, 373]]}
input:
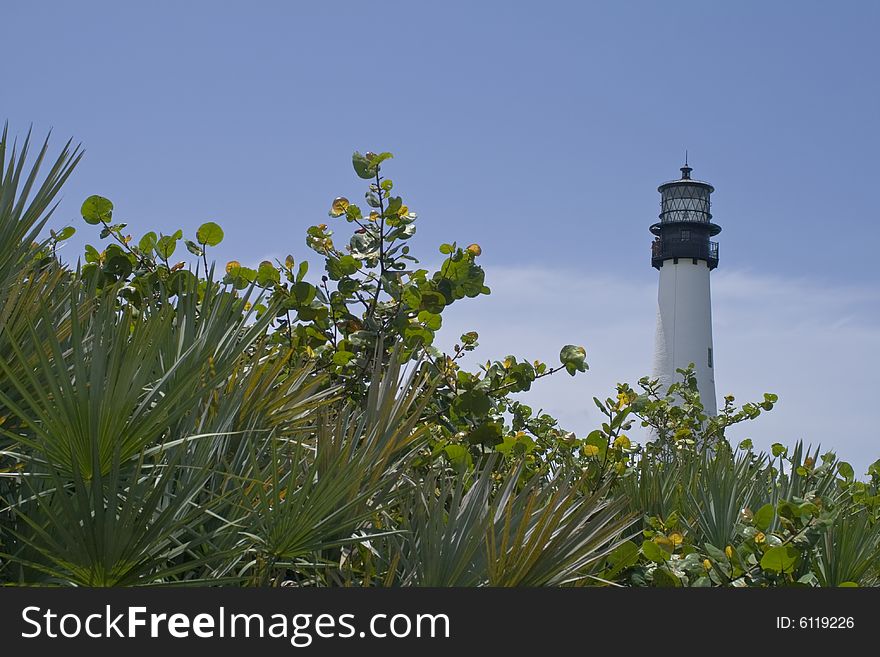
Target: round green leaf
{"points": [[430, 320], [622, 557], [654, 552], [663, 577], [148, 242], [302, 293], [96, 209], [473, 402], [165, 246], [210, 234], [342, 357], [458, 455], [267, 274], [118, 265], [362, 166], [778, 449], [181, 281], [780, 559], [764, 516], [433, 302], [488, 433], [339, 267], [573, 357]]}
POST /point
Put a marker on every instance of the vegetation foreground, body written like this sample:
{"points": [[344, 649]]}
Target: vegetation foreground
{"points": [[165, 423]]}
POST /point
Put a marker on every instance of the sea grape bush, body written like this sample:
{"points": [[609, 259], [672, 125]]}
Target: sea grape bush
{"points": [[370, 299], [713, 514]]}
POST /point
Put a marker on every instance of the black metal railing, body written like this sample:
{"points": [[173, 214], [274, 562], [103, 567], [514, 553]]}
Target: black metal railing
{"points": [[670, 248]]}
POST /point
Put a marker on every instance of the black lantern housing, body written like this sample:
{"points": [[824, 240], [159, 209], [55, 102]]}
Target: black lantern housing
{"points": [[685, 224]]}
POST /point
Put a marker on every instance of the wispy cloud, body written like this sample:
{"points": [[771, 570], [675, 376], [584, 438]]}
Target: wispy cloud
{"points": [[815, 345]]}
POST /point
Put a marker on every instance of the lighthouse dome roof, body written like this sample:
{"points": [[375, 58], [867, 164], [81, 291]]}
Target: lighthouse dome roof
{"points": [[686, 181]]}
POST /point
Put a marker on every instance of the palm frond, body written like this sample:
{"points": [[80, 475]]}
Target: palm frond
{"points": [[26, 204], [551, 533], [849, 551], [315, 488]]}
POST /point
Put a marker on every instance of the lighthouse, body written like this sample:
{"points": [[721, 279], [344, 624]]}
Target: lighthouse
{"points": [[685, 254]]}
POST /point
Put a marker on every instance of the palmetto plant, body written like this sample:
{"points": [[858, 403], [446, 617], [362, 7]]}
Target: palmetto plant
{"points": [[29, 284], [755, 519], [548, 530], [109, 418], [26, 203], [445, 522], [128, 524], [116, 384], [726, 484], [658, 487], [849, 552], [322, 486], [27, 281], [146, 460], [553, 531]]}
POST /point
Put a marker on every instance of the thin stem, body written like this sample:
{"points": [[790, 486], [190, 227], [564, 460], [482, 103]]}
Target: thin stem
{"points": [[332, 315], [381, 243]]}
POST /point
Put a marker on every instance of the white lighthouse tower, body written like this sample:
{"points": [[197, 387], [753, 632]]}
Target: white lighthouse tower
{"points": [[685, 255]]}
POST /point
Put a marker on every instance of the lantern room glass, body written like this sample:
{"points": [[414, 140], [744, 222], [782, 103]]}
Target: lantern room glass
{"points": [[684, 202]]}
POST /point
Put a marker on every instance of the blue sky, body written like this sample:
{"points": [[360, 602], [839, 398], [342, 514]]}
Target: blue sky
{"points": [[540, 131]]}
